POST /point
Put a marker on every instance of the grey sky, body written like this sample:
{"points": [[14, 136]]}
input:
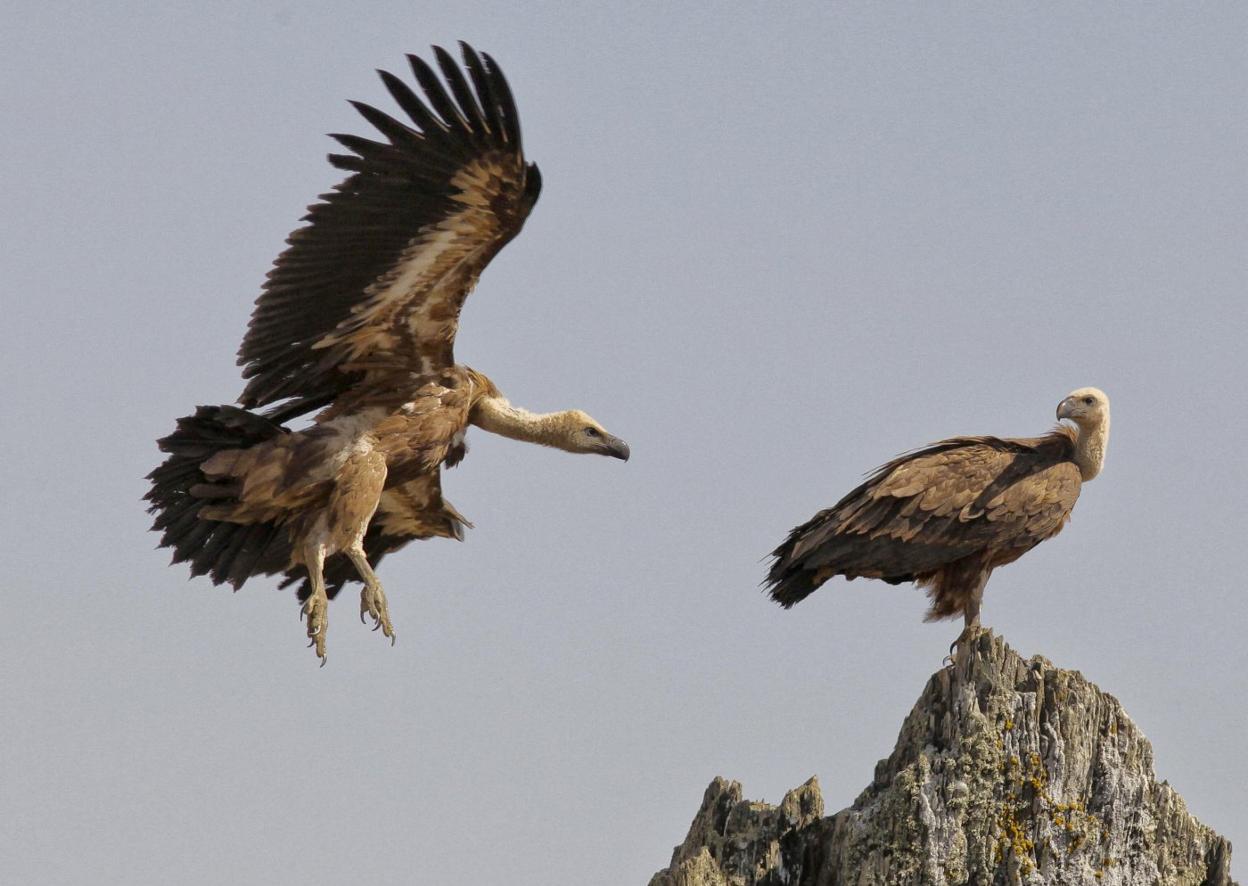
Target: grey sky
{"points": [[777, 244]]}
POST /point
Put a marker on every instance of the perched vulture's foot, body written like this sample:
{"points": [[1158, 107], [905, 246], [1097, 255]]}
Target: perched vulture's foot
{"points": [[316, 612], [373, 603], [968, 635]]}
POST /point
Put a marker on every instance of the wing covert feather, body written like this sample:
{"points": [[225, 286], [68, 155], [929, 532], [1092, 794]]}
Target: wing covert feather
{"points": [[929, 508], [378, 275]]}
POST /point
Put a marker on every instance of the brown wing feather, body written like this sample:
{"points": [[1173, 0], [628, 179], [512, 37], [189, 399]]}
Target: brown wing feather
{"points": [[375, 281], [417, 510], [927, 509]]}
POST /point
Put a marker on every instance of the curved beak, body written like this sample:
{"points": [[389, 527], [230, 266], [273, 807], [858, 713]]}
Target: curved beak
{"points": [[616, 448], [1066, 409]]}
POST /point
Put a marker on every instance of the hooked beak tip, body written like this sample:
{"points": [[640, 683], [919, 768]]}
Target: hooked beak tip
{"points": [[619, 449]]}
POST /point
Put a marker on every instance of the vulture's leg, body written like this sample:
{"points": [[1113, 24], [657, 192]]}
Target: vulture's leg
{"points": [[970, 615], [360, 484], [316, 607], [372, 598]]}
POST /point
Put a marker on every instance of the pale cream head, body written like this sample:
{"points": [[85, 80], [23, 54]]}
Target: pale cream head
{"points": [[1088, 408], [575, 431]]}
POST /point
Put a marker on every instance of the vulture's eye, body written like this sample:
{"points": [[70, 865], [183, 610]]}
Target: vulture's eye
{"points": [[593, 432], [1088, 401]]}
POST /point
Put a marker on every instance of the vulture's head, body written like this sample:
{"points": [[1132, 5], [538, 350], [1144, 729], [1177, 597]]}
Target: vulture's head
{"points": [[574, 431], [1089, 409], [1086, 407]]}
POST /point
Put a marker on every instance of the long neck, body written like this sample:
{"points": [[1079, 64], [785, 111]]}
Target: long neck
{"points": [[498, 416], [1090, 449]]}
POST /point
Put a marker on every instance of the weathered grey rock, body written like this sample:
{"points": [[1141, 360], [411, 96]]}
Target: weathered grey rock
{"points": [[1006, 772]]}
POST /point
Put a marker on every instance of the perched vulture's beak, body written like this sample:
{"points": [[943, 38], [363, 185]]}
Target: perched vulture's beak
{"points": [[1066, 409], [615, 447]]}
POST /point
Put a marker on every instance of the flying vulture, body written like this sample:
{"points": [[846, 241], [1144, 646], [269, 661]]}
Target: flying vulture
{"points": [[358, 319], [946, 515]]}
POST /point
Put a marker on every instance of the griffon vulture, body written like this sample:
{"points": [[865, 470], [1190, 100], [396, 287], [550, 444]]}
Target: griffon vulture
{"points": [[947, 515], [359, 315]]}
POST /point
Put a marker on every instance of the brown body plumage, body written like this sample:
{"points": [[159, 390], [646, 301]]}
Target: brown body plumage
{"points": [[359, 315], [946, 515]]}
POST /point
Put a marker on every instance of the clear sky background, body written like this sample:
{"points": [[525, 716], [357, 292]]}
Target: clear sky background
{"points": [[777, 245]]}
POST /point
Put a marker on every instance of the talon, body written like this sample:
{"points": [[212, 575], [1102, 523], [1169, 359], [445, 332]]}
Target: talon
{"points": [[394, 635], [324, 659], [315, 608]]}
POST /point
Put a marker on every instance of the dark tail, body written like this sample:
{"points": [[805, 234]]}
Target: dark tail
{"points": [[818, 550], [791, 578], [791, 587], [228, 552]]}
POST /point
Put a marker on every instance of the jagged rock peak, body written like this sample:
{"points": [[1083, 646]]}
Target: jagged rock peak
{"points": [[1005, 772]]}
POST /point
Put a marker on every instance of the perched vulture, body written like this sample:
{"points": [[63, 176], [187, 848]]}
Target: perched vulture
{"points": [[947, 515], [359, 316]]}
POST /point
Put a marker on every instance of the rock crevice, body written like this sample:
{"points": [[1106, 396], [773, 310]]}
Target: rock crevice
{"points": [[1007, 771]]}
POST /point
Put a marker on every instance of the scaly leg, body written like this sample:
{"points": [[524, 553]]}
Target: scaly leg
{"points": [[970, 615], [372, 598], [316, 607]]}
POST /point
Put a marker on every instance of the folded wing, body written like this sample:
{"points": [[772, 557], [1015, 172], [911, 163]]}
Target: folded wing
{"points": [[925, 510]]}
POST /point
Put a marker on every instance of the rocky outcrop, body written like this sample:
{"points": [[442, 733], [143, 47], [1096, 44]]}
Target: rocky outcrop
{"points": [[1005, 772]]}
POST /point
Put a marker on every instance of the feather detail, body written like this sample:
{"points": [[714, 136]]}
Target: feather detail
{"points": [[386, 260], [967, 503]]}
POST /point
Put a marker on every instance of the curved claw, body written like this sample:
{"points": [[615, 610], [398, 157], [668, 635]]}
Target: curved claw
{"points": [[324, 660], [362, 621], [394, 635]]}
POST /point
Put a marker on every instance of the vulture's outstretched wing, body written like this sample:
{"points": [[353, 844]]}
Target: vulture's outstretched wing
{"points": [[926, 509], [377, 277], [412, 510]]}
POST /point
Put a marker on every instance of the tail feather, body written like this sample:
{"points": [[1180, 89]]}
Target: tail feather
{"points": [[791, 578], [817, 551], [790, 587], [228, 552]]}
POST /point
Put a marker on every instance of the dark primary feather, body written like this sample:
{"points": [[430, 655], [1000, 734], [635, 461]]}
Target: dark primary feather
{"points": [[968, 497], [314, 329]]}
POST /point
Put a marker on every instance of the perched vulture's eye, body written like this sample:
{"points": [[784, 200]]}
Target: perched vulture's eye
{"points": [[593, 432], [1088, 401]]}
